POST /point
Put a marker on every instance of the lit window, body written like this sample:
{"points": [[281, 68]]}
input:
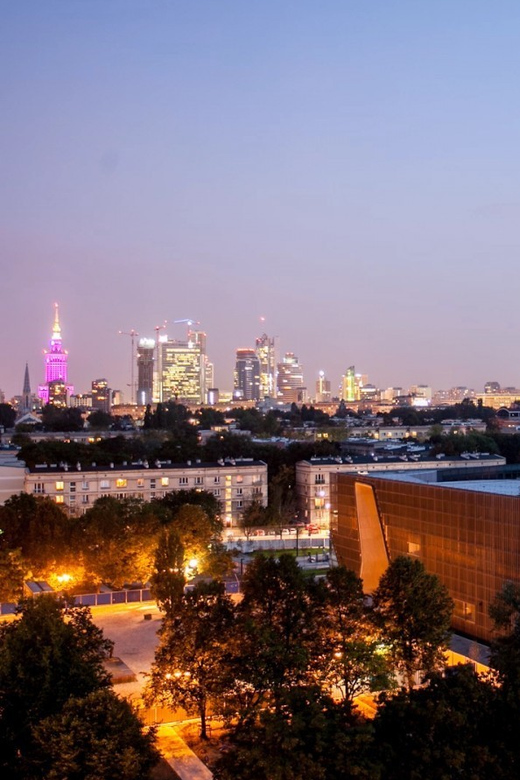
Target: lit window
{"points": [[240, 478], [165, 481], [140, 482], [121, 483], [59, 499], [59, 485]]}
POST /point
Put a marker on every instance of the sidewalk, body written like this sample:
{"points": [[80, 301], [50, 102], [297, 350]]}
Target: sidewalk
{"points": [[178, 755]]}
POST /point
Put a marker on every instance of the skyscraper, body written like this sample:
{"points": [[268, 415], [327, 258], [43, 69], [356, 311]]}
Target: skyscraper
{"points": [[183, 371], [145, 371], [290, 380], [247, 375], [266, 354], [323, 393], [56, 388]]}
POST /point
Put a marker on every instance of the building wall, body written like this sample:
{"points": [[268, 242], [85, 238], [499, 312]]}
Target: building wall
{"points": [[469, 539], [234, 483], [313, 479]]}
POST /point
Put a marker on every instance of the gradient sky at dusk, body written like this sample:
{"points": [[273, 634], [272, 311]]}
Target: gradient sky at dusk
{"points": [[349, 170]]}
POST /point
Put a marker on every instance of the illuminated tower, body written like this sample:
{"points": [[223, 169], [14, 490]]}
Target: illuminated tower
{"points": [[290, 380], [323, 393], [266, 354], [145, 371], [247, 375], [56, 387]]}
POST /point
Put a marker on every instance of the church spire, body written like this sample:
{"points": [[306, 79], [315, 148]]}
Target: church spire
{"points": [[26, 392]]}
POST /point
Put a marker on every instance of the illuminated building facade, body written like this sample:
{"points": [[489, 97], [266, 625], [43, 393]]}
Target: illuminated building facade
{"points": [[246, 384], [323, 392], [235, 483], [265, 348], [56, 389], [465, 532], [183, 371], [101, 395], [290, 380]]}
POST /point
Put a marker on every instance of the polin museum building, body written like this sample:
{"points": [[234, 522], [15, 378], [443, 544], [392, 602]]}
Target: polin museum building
{"points": [[466, 532]]}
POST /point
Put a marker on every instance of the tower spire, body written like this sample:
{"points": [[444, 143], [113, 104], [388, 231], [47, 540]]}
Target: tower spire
{"points": [[56, 328], [26, 392]]}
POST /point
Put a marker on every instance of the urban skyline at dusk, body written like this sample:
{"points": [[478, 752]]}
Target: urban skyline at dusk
{"points": [[349, 172]]}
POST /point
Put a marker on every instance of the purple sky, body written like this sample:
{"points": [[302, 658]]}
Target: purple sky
{"points": [[349, 170]]}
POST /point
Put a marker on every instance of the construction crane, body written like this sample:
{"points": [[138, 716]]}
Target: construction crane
{"points": [[187, 322], [133, 334]]}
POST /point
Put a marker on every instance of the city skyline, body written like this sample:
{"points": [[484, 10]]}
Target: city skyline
{"points": [[348, 172]]}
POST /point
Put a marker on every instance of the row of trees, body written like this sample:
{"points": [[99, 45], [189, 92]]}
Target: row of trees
{"points": [[117, 541], [59, 716], [292, 631], [283, 666]]}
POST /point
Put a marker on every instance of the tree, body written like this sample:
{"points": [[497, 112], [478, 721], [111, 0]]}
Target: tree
{"points": [[7, 416], [309, 737], [276, 630], [190, 667], [253, 516], [56, 419], [413, 610], [41, 531], [176, 499], [450, 727], [51, 653], [100, 420], [168, 579], [12, 571], [505, 648], [98, 736], [351, 659], [119, 540]]}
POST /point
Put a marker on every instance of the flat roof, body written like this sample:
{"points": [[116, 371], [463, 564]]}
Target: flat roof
{"points": [[503, 487], [164, 465]]}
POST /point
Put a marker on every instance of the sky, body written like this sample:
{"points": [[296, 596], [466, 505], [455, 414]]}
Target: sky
{"points": [[347, 170]]}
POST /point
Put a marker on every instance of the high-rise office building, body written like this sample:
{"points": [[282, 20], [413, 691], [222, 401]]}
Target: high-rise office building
{"points": [[291, 388], [145, 371], [247, 375], [56, 389], [101, 396], [265, 348], [348, 389], [323, 392], [183, 371]]}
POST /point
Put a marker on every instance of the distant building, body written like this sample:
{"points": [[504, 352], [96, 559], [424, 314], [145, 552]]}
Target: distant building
{"points": [[246, 384], [291, 388], [101, 396], [265, 348], [182, 368], [145, 371], [323, 392], [56, 389]]}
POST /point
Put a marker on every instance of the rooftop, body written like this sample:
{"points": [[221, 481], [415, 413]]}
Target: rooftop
{"points": [[166, 465]]}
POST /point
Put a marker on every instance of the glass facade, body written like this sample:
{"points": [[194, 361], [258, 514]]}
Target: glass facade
{"points": [[470, 539]]}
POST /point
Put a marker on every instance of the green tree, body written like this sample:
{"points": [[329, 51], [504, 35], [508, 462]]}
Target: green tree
{"points": [[173, 501], [505, 648], [352, 659], [413, 609], [12, 574], [7, 415], [99, 736], [100, 420], [50, 653], [277, 630], [119, 540], [168, 579], [41, 531], [310, 737], [56, 419], [450, 727], [190, 669], [254, 516]]}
